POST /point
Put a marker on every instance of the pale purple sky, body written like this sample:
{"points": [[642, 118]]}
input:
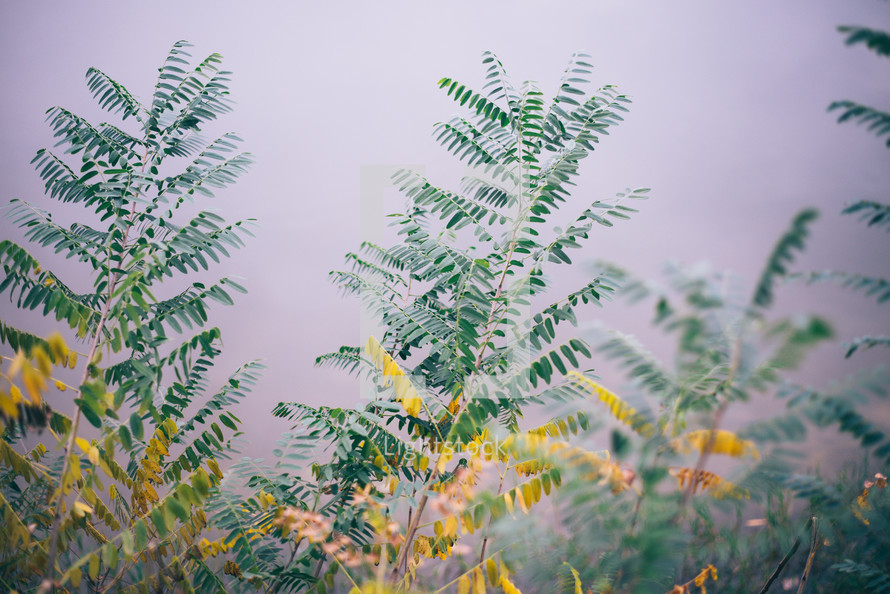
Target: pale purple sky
{"points": [[728, 127]]}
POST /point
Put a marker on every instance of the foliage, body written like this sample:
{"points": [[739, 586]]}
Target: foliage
{"points": [[462, 355], [438, 479], [727, 354], [121, 503], [872, 212]]}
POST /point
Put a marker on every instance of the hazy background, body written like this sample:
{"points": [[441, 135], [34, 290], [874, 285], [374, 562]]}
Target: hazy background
{"points": [[728, 127]]}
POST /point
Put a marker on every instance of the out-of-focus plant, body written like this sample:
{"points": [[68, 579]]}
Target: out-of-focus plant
{"points": [[806, 534], [873, 213], [116, 497], [636, 544]]}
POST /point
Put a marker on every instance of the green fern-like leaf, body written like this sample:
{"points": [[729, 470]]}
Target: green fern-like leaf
{"points": [[782, 255], [877, 41], [875, 213]]}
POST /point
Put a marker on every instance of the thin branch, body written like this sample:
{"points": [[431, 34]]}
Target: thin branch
{"points": [[784, 561], [414, 525], [814, 544]]}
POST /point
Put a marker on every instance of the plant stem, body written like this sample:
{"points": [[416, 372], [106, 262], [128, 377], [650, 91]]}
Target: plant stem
{"points": [[57, 514], [412, 527], [735, 358], [489, 329], [775, 575], [69, 447], [814, 544]]}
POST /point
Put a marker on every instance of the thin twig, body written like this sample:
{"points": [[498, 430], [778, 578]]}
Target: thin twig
{"points": [[814, 544], [783, 562], [412, 526]]}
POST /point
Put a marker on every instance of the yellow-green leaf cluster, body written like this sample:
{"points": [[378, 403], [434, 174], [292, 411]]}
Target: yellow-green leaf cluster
{"points": [[703, 480], [618, 407], [718, 441], [406, 393]]}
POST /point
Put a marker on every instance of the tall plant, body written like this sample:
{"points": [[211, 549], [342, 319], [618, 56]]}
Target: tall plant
{"points": [[465, 350], [121, 502]]}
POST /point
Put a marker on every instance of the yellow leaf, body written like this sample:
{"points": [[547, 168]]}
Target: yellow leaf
{"points": [[213, 466], [81, 509], [454, 405], [16, 365], [44, 364], [467, 522], [7, 405], [478, 581], [702, 480], [463, 584], [412, 406], [169, 426], [720, 441], [491, 569], [618, 407], [576, 578], [442, 462], [151, 466], [406, 393], [34, 384], [507, 586], [509, 502], [74, 468], [451, 525], [57, 346], [520, 499], [422, 547], [157, 447], [93, 455], [15, 394], [72, 359], [60, 386], [150, 492], [83, 444], [536, 489], [528, 494]]}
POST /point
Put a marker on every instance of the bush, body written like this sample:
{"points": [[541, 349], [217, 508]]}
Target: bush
{"points": [[123, 501]]}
